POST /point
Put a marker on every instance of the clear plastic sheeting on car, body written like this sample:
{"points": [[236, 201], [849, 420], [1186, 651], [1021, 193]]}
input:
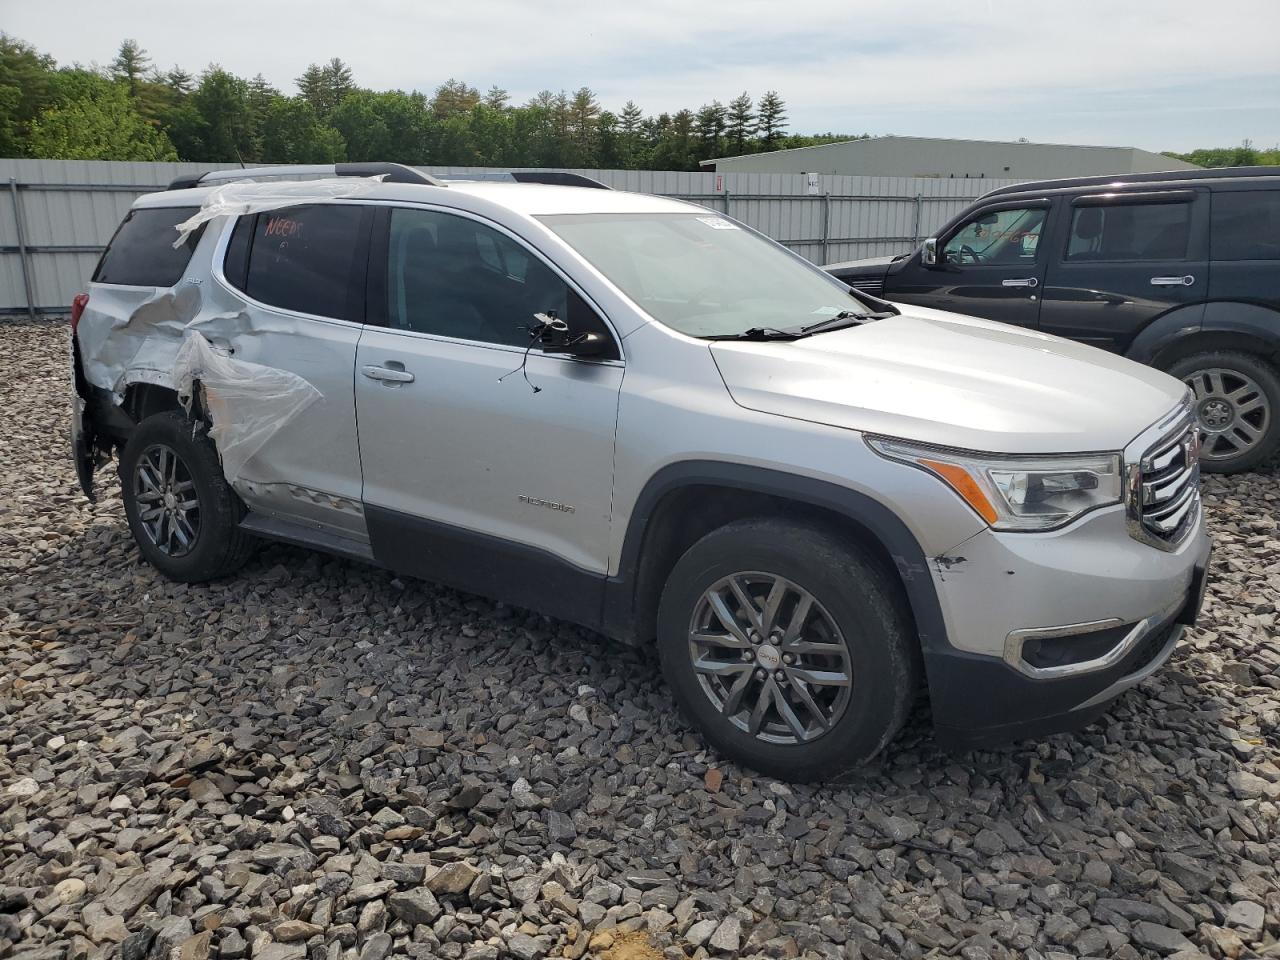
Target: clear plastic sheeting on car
{"points": [[242, 197], [246, 402]]}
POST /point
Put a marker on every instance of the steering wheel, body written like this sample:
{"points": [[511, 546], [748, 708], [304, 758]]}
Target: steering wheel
{"points": [[968, 251]]}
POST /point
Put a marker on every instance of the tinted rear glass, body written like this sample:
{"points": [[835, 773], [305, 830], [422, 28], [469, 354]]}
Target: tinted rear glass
{"points": [[142, 252], [301, 258], [1130, 231], [1246, 225]]}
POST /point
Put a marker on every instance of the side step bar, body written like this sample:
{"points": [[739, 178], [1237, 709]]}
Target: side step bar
{"points": [[300, 535]]}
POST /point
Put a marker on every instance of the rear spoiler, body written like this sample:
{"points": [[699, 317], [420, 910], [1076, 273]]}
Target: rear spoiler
{"points": [[390, 173]]}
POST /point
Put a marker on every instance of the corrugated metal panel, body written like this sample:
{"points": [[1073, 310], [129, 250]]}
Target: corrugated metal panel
{"points": [[73, 206]]}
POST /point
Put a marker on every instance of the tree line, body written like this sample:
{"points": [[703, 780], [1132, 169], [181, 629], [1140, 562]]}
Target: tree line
{"points": [[133, 110]]}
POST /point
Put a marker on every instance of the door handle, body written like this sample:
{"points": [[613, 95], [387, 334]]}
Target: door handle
{"points": [[1025, 282], [1186, 281], [387, 374]]}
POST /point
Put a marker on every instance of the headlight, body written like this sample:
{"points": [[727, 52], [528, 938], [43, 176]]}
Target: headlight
{"points": [[1018, 493]]}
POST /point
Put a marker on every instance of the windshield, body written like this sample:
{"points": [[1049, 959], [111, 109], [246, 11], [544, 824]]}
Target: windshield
{"points": [[701, 274]]}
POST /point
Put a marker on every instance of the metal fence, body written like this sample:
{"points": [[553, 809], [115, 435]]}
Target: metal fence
{"points": [[61, 213]]}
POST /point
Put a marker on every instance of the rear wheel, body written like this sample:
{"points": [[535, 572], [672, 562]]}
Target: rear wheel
{"points": [[1237, 406], [183, 514], [787, 648]]}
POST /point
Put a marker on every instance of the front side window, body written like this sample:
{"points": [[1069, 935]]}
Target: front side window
{"points": [[1245, 225], [299, 258], [1130, 231], [701, 274], [456, 277], [999, 237], [142, 254]]}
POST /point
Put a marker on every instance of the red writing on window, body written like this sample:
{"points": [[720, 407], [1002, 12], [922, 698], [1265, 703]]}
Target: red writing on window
{"points": [[283, 227]]}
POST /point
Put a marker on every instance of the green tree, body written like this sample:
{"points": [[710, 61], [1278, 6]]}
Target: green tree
{"points": [[222, 101], [710, 125], [741, 123], [292, 133], [25, 91], [772, 119], [583, 112], [325, 86], [453, 97], [105, 126], [130, 65], [496, 98], [629, 124]]}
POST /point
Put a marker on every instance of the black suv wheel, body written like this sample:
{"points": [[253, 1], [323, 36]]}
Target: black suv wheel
{"points": [[181, 510], [787, 648], [1237, 404]]}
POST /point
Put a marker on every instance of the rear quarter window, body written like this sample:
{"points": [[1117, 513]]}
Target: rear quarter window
{"points": [[1245, 225], [142, 254]]}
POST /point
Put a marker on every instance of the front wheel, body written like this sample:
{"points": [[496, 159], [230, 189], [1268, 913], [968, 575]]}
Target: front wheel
{"points": [[1237, 406], [182, 512], [787, 648]]}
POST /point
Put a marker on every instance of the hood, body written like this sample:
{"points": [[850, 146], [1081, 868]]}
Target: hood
{"points": [[955, 381], [866, 265]]}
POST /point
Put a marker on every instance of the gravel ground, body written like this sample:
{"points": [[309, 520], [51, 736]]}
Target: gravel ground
{"points": [[317, 759]]}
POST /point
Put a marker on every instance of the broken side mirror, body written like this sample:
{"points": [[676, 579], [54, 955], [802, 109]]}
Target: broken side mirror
{"points": [[554, 336]]}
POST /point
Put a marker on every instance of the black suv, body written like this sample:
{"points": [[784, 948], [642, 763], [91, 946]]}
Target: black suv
{"points": [[1177, 270]]}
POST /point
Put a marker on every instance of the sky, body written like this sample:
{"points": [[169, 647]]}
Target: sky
{"points": [[1168, 75]]}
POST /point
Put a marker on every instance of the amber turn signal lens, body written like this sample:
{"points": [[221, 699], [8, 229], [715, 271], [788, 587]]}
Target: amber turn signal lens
{"points": [[966, 486]]}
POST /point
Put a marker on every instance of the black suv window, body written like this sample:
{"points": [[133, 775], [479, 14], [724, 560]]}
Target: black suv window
{"points": [[142, 253], [1130, 231], [1245, 225], [455, 277], [300, 258], [997, 237]]}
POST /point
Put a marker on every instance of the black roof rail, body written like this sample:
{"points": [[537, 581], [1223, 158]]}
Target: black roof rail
{"points": [[1125, 179], [390, 172], [558, 178]]}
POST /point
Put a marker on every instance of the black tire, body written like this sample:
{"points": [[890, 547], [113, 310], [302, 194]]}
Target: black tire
{"points": [[847, 587], [218, 547], [1237, 368]]}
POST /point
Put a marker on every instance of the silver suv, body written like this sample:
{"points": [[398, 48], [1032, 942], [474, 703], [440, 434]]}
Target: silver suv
{"points": [[642, 416]]}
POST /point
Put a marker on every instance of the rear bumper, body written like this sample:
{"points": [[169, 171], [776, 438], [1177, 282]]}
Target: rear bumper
{"points": [[979, 700]]}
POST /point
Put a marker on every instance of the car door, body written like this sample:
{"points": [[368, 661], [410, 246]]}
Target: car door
{"points": [[296, 303], [991, 265], [1123, 260], [487, 465]]}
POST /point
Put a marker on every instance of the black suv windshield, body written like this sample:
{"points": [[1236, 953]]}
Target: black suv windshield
{"points": [[704, 275]]}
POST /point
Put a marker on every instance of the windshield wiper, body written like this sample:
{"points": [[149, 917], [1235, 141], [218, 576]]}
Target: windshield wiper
{"points": [[843, 319], [760, 334]]}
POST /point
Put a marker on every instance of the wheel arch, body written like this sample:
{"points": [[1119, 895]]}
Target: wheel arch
{"points": [[686, 500], [1223, 325]]}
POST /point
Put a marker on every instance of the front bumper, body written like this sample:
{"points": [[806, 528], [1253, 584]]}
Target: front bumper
{"points": [[982, 692]]}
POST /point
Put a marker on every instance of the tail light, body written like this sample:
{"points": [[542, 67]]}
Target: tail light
{"points": [[78, 303]]}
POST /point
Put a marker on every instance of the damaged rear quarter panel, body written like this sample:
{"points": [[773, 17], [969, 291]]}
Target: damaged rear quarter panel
{"points": [[305, 465]]}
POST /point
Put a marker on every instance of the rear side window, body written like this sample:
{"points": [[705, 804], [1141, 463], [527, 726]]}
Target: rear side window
{"points": [[142, 254], [1245, 225], [1130, 231], [300, 258]]}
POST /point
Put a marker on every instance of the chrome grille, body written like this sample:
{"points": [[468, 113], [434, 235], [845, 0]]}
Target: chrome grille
{"points": [[873, 285], [1164, 489]]}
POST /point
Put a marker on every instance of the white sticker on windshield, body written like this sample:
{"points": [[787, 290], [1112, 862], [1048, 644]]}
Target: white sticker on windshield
{"points": [[718, 223]]}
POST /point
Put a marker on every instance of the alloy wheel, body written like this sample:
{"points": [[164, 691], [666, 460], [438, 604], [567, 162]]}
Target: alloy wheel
{"points": [[1232, 412], [770, 658], [168, 506]]}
